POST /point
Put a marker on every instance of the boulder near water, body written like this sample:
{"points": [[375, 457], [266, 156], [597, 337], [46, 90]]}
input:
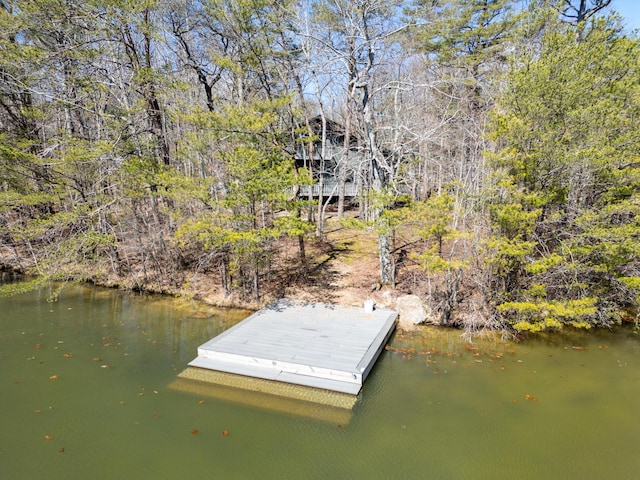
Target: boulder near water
{"points": [[411, 312]]}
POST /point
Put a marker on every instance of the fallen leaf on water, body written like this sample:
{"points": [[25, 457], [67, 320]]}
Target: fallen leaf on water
{"points": [[200, 402], [36, 346], [194, 431], [48, 437], [105, 366], [530, 397], [340, 426], [68, 355], [225, 433], [431, 351], [37, 410], [53, 377], [96, 359], [580, 347], [61, 450]]}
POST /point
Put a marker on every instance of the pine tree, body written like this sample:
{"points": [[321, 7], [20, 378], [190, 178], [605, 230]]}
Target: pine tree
{"points": [[565, 212]]}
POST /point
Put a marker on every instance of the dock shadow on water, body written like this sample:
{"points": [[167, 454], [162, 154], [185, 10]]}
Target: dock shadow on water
{"points": [[87, 388]]}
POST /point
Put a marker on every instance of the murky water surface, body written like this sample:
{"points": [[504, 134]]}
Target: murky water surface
{"points": [[87, 390]]}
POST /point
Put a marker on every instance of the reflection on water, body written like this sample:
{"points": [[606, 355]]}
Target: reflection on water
{"points": [[86, 388], [279, 402]]}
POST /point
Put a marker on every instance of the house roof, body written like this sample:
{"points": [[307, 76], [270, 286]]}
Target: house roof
{"points": [[335, 131]]}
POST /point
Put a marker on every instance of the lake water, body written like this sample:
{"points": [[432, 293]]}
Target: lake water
{"points": [[87, 390]]}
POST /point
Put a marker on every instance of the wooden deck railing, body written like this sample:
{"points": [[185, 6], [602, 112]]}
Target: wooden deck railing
{"points": [[329, 189]]}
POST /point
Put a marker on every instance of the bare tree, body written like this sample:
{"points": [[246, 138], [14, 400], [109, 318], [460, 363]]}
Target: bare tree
{"points": [[578, 11]]}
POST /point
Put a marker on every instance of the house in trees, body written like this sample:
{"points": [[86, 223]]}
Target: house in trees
{"points": [[332, 159]]}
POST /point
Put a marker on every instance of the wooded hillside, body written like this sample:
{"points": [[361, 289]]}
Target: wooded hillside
{"points": [[493, 147]]}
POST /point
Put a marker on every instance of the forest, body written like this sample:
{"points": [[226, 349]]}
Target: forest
{"points": [[491, 144]]}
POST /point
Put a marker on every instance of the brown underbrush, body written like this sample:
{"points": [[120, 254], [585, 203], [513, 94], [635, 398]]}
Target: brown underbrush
{"points": [[341, 268]]}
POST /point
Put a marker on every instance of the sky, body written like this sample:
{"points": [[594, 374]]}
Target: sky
{"points": [[630, 10]]}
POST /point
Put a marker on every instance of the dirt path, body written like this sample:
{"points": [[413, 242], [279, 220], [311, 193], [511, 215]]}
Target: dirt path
{"points": [[343, 269]]}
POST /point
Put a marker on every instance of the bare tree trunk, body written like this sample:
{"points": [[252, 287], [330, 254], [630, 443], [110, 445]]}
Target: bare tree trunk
{"points": [[386, 271], [224, 276], [323, 151], [344, 164], [378, 181], [141, 61], [256, 291], [302, 255]]}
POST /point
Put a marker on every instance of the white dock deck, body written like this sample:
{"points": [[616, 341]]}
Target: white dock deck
{"points": [[314, 345]]}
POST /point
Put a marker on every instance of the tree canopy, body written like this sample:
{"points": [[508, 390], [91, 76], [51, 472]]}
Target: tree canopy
{"points": [[492, 147]]}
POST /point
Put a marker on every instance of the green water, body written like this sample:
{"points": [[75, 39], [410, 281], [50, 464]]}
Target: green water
{"points": [[85, 393]]}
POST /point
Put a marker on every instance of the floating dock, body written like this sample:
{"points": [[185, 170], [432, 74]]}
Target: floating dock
{"points": [[321, 346]]}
